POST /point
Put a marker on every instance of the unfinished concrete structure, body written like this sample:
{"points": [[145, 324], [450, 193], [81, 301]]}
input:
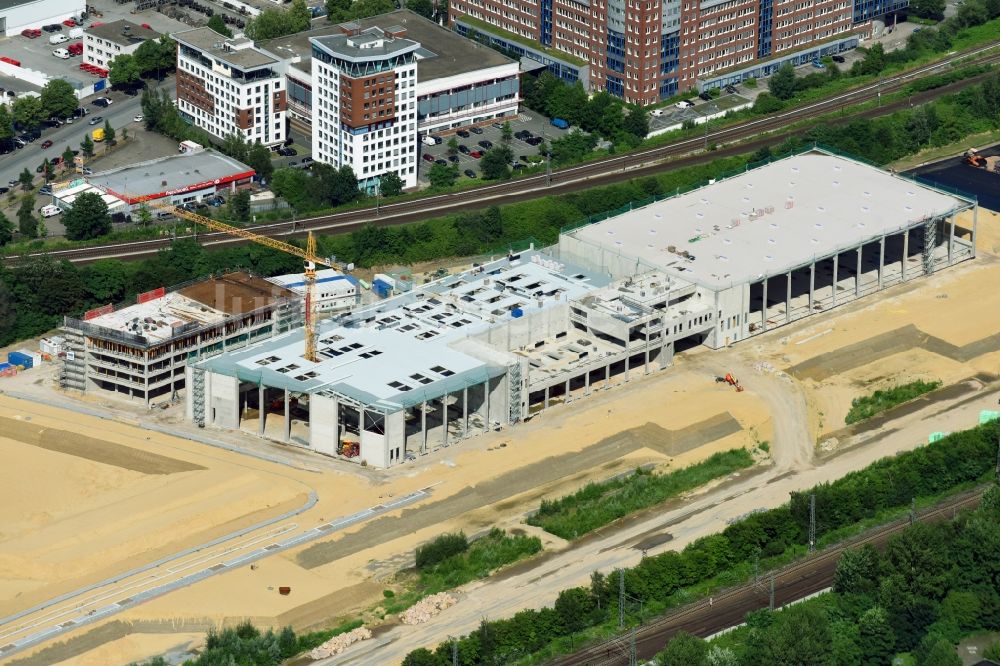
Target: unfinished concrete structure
{"points": [[615, 299], [799, 236], [140, 351]]}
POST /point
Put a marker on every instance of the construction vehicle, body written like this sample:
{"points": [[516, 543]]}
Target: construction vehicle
{"points": [[974, 159], [308, 255], [732, 381]]}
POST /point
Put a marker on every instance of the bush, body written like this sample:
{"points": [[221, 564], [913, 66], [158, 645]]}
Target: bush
{"points": [[598, 504], [441, 548], [868, 406], [477, 560]]}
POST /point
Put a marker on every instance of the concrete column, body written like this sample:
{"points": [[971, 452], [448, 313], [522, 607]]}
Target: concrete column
{"points": [[423, 426], [951, 240], [444, 419], [465, 412], [975, 228], [812, 285], [788, 297], [628, 354], [486, 402], [545, 405], [262, 408], [881, 260], [607, 376], [763, 318], [646, 366], [566, 394], [288, 416], [836, 265], [857, 274], [906, 255], [586, 383]]}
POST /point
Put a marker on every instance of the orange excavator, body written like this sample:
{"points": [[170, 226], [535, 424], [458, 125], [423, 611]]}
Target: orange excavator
{"points": [[732, 381], [972, 158]]}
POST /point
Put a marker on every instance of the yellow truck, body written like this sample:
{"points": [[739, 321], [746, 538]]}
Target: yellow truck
{"points": [[98, 134]]}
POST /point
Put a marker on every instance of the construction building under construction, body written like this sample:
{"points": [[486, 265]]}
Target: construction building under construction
{"points": [[612, 300], [140, 351]]}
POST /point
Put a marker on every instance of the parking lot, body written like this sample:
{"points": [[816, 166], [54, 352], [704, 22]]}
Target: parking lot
{"points": [[529, 120]]}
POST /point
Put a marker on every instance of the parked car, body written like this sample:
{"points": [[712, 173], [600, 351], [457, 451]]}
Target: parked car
{"points": [[431, 139], [102, 102], [470, 173], [534, 141], [307, 160], [13, 182], [656, 113], [464, 149], [69, 23], [31, 33], [45, 189], [731, 89], [463, 133], [87, 171], [58, 39], [486, 143], [62, 54], [52, 27], [476, 130], [523, 135], [287, 152], [453, 158], [476, 154], [5, 190], [560, 123], [705, 95], [137, 118], [838, 58], [215, 201], [428, 157], [442, 162], [96, 120], [684, 104], [46, 144], [818, 65], [49, 210]]}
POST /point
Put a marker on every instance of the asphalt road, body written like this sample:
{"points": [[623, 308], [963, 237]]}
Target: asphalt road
{"points": [[119, 114], [797, 581]]}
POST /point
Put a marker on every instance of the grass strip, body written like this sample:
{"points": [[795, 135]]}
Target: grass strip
{"points": [[868, 406], [598, 504]]}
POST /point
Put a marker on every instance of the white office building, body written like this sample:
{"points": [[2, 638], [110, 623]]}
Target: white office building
{"points": [[335, 292], [365, 104], [103, 42], [227, 86]]}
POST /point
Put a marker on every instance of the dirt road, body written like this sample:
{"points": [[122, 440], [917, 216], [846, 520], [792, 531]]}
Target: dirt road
{"points": [[699, 517]]}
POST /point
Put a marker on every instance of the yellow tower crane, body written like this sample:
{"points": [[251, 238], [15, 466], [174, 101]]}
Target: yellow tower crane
{"points": [[308, 255]]}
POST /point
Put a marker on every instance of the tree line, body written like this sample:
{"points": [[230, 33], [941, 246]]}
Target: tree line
{"points": [[933, 585], [154, 58], [658, 582]]}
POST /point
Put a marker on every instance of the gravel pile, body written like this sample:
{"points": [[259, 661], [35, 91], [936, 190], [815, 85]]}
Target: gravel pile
{"points": [[339, 643], [426, 608]]}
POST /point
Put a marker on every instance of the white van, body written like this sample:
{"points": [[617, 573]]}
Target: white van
{"points": [[58, 39], [61, 53], [431, 140], [49, 211]]}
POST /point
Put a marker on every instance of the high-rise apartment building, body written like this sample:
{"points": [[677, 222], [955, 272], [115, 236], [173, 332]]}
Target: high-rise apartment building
{"points": [[229, 87], [365, 104], [647, 50]]}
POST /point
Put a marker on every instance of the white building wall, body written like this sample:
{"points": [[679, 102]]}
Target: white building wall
{"points": [[39, 13], [490, 109], [324, 424], [371, 153], [101, 52]]}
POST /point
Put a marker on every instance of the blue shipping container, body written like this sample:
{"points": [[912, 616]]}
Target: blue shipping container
{"points": [[5, 366], [17, 358], [381, 289], [517, 312]]}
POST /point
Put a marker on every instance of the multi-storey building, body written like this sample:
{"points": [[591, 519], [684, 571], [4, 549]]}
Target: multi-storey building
{"points": [[365, 104], [140, 351], [101, 43], [647, 50], [228, 87], [459, 81]]}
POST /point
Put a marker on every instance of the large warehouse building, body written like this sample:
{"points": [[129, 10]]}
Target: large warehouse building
{"points": [[616, 298]]}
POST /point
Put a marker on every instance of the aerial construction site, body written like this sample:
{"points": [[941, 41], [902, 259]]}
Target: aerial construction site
{"points": [[288, 485]]}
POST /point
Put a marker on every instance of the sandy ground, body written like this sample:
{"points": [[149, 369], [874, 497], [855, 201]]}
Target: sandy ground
{"points": [[611, 431]]}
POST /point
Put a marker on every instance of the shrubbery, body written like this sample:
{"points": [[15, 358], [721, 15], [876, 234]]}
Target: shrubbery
{"points": [[868, 406], [441, 548], [959, 459], [598, 504]]}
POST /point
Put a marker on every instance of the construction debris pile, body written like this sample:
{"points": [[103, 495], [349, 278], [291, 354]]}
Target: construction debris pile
{"points": [[426, 608], [339, 643]]}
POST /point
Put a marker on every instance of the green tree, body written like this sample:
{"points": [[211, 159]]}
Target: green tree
{"points": [[26, 222], [338, 10], [495, 165], [845, 643], [107, 280], [782, 82], [506, 133], [28, 111], [109, 132], [366, 8], [236, 146], [259, 157], [574, 607], [931, 9], [124, 71], [239, 206], [292, 185], [48, 171], [942, 653], [6, 230], [87, 218], [422, 656], [857, 571], [441, 176], [797, 635], [87, 146], [143, 216], [390, 184], [637, 123], [58, 99], [26, 179], [272, 23], [217, 24], [453, 146], [423, 7], [722, 656], [6, 124], [68, 157], [684, 650], [877, 639]]}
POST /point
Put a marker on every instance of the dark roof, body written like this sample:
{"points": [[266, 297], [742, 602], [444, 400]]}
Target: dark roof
{"points": [[122, 32]]}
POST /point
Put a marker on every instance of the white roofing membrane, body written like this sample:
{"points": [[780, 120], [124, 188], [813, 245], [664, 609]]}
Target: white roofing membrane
{"points": [[770, 220]]}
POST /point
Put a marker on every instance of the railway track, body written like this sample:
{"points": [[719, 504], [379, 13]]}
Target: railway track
{"points": [[728, 609], [684, 153]]}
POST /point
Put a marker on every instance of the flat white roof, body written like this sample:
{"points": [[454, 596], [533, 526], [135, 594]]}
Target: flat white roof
{"points": [[157, 319], [406, 349], [328, 278], [769, 220]]}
